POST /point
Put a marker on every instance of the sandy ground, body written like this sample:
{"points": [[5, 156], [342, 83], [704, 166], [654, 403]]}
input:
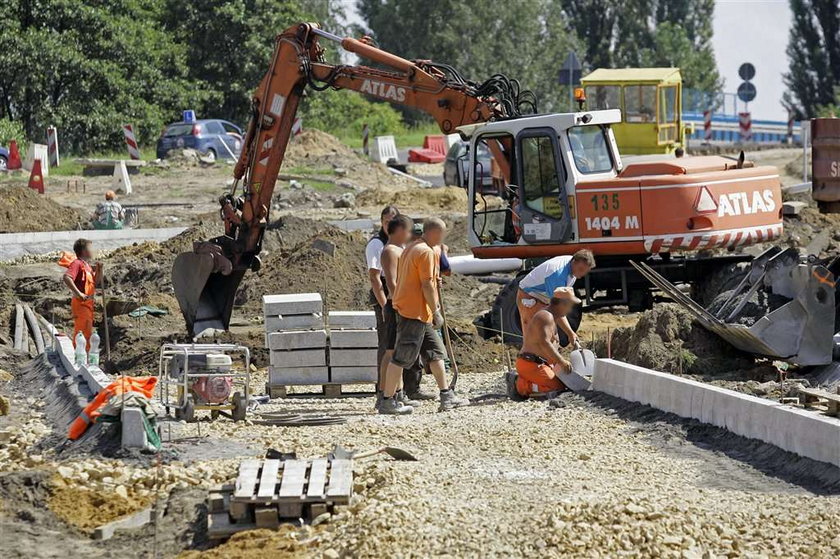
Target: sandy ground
{"points": [[583, 477]]}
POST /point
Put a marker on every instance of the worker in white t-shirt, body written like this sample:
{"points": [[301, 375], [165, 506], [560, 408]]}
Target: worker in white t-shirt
{"points": [[536, 289], [373, 257]]}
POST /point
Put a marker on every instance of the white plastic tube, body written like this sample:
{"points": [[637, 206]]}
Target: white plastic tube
{"points": [[468, 264]]}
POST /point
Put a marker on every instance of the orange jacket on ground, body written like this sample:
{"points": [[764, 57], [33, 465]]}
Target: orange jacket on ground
{"points": [[142, 385]]}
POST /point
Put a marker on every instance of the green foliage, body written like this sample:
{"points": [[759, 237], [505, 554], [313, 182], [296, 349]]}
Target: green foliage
{"points": [[12, 130], [346, 112], [638, 33], [479, 38], [814, 54]]}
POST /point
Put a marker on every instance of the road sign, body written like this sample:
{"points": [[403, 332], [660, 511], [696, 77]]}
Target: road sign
{"points": [[570, 71], [746, 92], [746, 71]]}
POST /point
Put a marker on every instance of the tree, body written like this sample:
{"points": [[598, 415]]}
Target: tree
{"points": [[478, 38], [88, 67], [814, 55], [636, 33]]}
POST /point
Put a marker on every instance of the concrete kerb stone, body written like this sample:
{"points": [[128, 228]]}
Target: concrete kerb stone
{"points": [[801, 432], [301, 339], [292, 304], [353, 375], [313, 321], [351, 320], [354, 338], [353, 357], [298, 375], [298, 358]]}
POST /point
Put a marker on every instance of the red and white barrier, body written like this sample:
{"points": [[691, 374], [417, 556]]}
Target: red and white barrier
{"points": [[745, 126], [297, 127], [52, 146], [707, 125], [131, 141]]}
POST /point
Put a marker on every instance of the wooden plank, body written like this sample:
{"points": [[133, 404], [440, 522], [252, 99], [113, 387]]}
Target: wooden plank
{"points": [[268, 480], [341, 480], [266, 517], [294, 477], [332, 390], [247, 480], [317, 479]]}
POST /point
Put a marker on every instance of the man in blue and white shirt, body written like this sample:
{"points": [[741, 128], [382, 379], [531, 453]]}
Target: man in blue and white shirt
{"points": [[536, 289]]}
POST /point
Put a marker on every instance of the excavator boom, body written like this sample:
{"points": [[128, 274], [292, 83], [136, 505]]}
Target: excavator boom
{"points": [[206, 280]]}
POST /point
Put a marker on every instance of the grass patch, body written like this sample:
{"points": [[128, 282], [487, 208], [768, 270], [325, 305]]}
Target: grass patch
{"points": [[69, 167]]}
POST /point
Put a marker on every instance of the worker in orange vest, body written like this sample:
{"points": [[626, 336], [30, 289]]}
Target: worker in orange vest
{"points": [[81, 280]]}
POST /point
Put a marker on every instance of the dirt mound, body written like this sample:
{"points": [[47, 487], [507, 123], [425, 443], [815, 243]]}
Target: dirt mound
{"points": [[450, 198], [22, 210], [88, 509], [309, 267], [666, 339]]}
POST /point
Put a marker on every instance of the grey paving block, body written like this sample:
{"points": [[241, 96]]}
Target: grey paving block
{"points": [[299, 375], [353, 357], [354, 338], [354, 320], [352, 375], [299, 358], [292, 303], [313, 321], [133, 428], [299, 339]]}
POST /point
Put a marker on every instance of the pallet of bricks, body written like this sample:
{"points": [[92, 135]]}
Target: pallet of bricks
{"points": [[306, 348], [269, 492]]}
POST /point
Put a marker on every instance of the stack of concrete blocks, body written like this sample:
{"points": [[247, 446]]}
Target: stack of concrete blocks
{"points": [[296, 339], [353, 347]]}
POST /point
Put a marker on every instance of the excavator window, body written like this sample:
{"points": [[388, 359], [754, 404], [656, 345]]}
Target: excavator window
{"points": [[494, 217], [590, 149], [542, 175]]}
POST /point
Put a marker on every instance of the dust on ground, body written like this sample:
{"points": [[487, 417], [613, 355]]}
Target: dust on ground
{"points": [[23, 210]]}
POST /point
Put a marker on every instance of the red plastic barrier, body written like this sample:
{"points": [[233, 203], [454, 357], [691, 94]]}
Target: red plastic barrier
{"points": [[435, 143], [423, 155]]}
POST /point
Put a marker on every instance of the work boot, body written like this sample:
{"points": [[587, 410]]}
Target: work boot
{"points": [[449, 401], [420, 394], [510, 384], [405, 400], [378, 401], [391, 406]]}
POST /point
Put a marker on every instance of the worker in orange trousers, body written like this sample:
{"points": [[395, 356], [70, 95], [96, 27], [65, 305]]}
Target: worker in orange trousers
{"points": [[80, 278]]}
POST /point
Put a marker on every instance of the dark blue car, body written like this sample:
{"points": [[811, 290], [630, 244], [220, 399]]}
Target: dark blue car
{"points": [[4, 158], [211, 137]]}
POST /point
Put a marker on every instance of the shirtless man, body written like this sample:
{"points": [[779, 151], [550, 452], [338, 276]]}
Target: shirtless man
{"points": [[399, 233], [540, 357]]}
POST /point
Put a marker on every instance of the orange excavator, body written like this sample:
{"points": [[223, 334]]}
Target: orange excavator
{"points": [[561, 186]]}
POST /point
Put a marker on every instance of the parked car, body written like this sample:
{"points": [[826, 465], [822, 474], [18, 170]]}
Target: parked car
{"points": [[211, 137], [4, 158], [456, 166]]}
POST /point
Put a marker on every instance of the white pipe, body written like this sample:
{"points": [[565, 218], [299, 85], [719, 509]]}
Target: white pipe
{"points": [[406, 175], [468, 264]]}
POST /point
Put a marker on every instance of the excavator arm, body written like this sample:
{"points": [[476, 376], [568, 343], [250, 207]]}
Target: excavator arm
{"points": [[206, 280]]}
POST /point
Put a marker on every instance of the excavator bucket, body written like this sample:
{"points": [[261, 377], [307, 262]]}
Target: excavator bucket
{"points": [[205, 296], [796, 326]]}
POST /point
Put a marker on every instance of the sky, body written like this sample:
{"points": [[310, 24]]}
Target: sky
{"points": [[753, 31]]}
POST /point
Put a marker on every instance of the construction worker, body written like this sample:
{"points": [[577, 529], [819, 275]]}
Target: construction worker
{"points": [[109, 214], [378, 293], [417, 307], [399, 233], [536, 289], [540, 357], [80, 279]]}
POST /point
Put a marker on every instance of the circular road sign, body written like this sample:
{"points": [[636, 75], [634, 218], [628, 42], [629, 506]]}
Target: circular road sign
{"points": [[746, 92], [746, 71]]}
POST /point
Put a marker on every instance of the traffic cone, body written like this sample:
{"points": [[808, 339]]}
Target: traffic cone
{"points": [[14, 161], [36, 179]]}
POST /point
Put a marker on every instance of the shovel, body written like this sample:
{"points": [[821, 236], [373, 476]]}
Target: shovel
{"points": [[339, 452], [583, 365]]}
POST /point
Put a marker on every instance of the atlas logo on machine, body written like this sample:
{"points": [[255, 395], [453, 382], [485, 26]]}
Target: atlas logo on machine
{"points": [[384, 90], [743, 203]]}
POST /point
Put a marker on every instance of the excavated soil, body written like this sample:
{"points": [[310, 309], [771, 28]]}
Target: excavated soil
{"points": [[87, 509], [23, 210]]}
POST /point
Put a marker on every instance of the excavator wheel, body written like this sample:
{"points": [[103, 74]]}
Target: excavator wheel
{"points": [[505, 313]]}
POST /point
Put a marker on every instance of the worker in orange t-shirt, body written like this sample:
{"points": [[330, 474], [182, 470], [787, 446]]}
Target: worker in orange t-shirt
{"points": [[540, 359], [81, 280]]}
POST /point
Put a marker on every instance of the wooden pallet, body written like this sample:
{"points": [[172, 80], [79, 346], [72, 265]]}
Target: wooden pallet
{"points": [[811, 397], [268, 492], [331, 390]]}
